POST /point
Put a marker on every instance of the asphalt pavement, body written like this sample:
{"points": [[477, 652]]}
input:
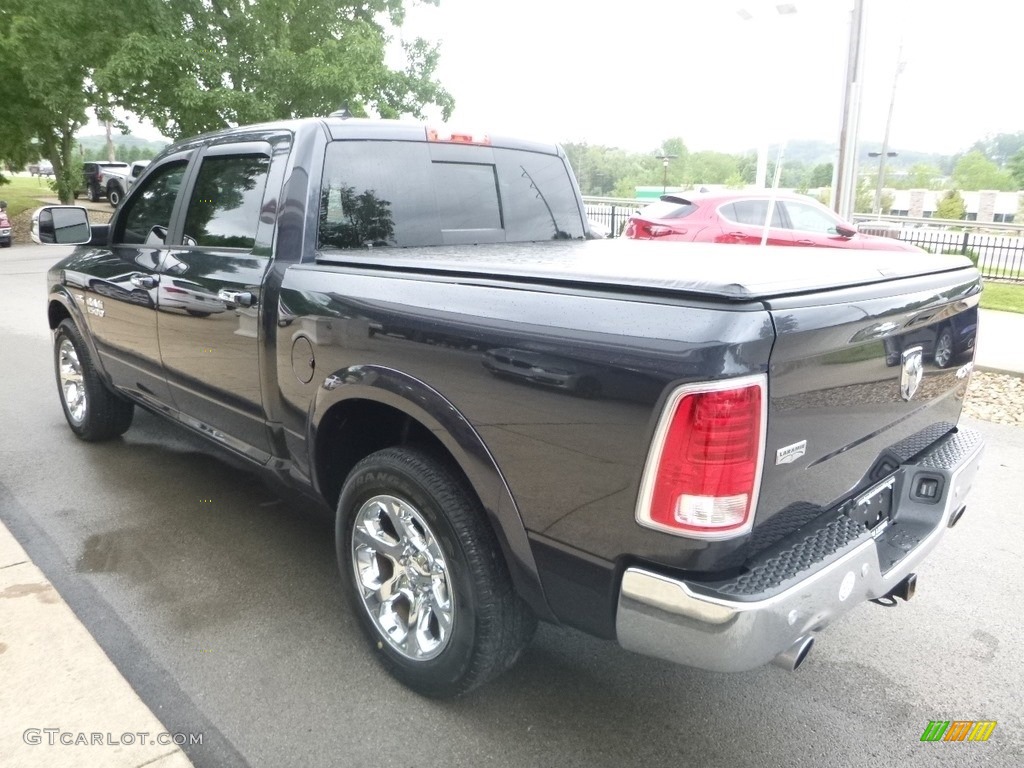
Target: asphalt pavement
{"points": [[152, 585]]}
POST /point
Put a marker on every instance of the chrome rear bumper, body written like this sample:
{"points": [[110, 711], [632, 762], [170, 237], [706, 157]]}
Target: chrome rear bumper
{"points": [[747, 622]]}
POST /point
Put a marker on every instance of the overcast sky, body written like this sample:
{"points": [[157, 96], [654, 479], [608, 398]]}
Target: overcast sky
{"points": [[631, 74]]}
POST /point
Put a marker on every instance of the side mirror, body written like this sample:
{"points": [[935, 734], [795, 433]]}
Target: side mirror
{"points": [[61, 225], [845, 231]]}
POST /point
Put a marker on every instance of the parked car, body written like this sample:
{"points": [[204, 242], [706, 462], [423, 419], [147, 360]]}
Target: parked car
{"points": [[763, 471], [739, 217], [6, 230], [42, 168], [93, 177], [118, 182]]}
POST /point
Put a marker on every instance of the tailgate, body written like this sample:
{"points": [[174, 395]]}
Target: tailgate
{"points": [[860, 380]]}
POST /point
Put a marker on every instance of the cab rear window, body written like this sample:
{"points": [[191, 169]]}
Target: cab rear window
{"points": [[403, 194]]}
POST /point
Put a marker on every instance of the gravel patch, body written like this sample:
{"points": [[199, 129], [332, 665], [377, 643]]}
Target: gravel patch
{"points": [[995, 397]]}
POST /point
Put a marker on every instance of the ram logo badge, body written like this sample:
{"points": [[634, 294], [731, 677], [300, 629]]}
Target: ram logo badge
{"points": [[913, 370], [790, 453]]}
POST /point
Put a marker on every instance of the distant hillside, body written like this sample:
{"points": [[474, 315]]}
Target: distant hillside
{"points": [[99, 141], [811, 152]]}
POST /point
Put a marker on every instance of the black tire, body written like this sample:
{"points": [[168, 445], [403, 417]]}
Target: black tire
{"points": [[103, 414], [6, 244], [488, 623], [94, 193], [945, 350], [588, 388], [113, 195], [195, 313], [75, 194]]}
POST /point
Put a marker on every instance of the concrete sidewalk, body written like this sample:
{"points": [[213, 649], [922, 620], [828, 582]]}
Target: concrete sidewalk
{"points": [[1000, 345], [62, 701]]}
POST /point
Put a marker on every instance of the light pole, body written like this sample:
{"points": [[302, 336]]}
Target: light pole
{"points": [[900, 64], [877, 205], [845, 175], [664, 176]]}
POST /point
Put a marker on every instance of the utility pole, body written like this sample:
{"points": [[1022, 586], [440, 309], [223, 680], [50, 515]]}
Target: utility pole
{"points": [[845, 186], [900, 65], [110, 142]]}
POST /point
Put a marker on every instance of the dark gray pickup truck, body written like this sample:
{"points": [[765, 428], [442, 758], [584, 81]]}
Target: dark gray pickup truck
{"points": [[704, 452]]}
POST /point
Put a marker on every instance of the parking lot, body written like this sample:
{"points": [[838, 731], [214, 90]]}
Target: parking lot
{"points": [[220, 603]]}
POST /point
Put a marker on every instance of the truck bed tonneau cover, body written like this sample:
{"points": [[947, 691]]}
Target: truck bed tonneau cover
{"points": [[737, 273]]}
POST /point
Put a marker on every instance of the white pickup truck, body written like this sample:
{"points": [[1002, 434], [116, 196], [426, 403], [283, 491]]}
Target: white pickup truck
{"points": [[118, 182]]}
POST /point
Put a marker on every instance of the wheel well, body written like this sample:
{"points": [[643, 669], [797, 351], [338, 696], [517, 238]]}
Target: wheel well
{"points": [[352, 430], [57, 313]]}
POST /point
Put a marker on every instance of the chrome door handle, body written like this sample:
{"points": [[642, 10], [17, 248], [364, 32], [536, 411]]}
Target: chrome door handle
{"points": [[236, 298], [143, 281]]}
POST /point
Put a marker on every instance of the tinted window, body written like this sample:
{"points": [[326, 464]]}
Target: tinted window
{"points": [[224, 209], [751, 212], [412, 194], [807, 218], [147, 213]]}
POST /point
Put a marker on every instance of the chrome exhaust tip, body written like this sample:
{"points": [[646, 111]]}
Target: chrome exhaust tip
{"points": [[955, 517], [794, 656]]}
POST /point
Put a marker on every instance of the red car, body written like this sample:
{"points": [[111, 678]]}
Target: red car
{"points": [[738, 217], [6, 234]]}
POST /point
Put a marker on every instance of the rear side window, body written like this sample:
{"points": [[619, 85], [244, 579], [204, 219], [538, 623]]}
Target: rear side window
{"points": [[224, 210], [380, 193], [751, 212]]}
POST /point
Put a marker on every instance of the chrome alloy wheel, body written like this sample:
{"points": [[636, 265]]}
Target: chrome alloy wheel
{"points": [[72, 386], [402, 577], [944, 349]]}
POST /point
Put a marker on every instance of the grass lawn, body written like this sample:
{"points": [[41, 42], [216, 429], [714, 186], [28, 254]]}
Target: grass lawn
{"points": [[23, 193], [1008, 297]]}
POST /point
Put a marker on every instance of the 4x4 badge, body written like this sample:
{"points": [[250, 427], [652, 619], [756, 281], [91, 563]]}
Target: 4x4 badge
{"points": [[913, 370]]}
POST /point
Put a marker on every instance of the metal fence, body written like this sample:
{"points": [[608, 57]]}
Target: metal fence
{"points": [[997, 249], [612, 213]]}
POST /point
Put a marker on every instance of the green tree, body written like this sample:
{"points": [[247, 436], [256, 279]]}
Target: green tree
{"points": [[821, 176], [951, 206], [1001, 147], [196, 65], [920, 176], [711, 168], [974, 171], [1015, 166], [48, 62]]}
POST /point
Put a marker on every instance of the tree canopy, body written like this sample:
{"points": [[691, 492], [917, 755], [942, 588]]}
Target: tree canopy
{"points": [[951, 206], [974, 171], [191, 66], [200, 65]]}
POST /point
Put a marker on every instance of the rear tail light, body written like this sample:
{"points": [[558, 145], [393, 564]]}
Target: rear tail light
{"points": [[656, 230], [643, 230], [704, 468]]}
